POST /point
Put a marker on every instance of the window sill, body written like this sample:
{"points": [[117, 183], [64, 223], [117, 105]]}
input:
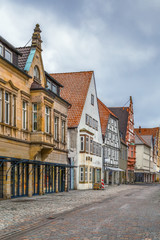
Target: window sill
{"points": [[48, 134], [8, 125], [25, 131]]}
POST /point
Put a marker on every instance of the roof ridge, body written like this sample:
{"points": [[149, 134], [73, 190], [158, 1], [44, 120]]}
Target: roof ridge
{"points": [[23, 47], [107, 108], [90, 71]]}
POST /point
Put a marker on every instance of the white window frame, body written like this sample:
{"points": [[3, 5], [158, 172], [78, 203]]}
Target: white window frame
{"points": [[24, 115], [86, 174], [82, 143], [90, 174], [47, 119], [7, 108], [53, 86], [63, 131], [1, 53], [87, 144], [34, 113], [56, 119], [91, 145], [7, 50], [81, 174], [0, 105], [50, 85], [13, 110]]}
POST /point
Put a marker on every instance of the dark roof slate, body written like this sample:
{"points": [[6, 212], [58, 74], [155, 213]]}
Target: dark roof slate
{"points": [[122, 114], [25, 51]]}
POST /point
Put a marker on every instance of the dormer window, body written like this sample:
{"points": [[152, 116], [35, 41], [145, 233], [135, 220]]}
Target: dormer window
{"points": [[36, 74], [1, 50], [8, 55], [51, 86]]}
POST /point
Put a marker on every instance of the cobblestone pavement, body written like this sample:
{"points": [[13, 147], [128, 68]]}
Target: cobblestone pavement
{"points": [[124, 212]]}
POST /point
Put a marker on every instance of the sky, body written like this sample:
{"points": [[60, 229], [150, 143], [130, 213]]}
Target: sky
{"points": [[118, 39]]}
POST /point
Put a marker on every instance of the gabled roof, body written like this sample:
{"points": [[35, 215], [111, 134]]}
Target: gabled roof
{"points": [[25, 51], [104, 113], [147, 131], [122, 114], [143, 139], [76, 85]]}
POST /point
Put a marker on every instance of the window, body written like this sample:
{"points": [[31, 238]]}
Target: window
{"points": [[98, 175], [81, 174], [13, 111], [1, 50], [63, 131], [7, 107], [94, 148], [48, 84], [87, 119], [132, 152], [8, 55], [92, 99], [34, 116], [97, 149], [47, 120], [86, 174], [56, 120], [36, 72], [90, 174], [91, 145], [82, 143], [0, 105], [87, 144], [24, 115], [54, 88]]}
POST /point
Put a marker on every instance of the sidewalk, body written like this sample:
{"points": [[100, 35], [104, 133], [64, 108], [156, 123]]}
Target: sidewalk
{"points": [[14, 212]]}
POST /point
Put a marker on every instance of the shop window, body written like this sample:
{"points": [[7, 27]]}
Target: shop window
{"points": [[82, 143], [98, 175], [34, 116], [56, 121], [7, 107], [24, 115], [47, 119]]}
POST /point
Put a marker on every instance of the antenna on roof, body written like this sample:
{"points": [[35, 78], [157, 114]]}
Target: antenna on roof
{"points": [[126, 103], [28, 42]]}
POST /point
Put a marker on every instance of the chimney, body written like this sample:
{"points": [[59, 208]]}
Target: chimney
{"points": [[139, 129], [36, 38]]}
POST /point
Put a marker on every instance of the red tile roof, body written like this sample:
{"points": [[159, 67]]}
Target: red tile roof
{"points": [[147, 131], [75, 91], [104, 113]]}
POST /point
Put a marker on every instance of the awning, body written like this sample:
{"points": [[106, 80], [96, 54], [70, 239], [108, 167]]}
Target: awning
{"points": [[21, 160], [114, 169]]}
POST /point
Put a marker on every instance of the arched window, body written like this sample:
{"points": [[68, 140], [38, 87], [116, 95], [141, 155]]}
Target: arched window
{"points": [[36, 73]]}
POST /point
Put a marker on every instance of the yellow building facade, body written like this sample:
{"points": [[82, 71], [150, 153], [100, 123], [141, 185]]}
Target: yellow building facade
{"points": [[33, 124]]}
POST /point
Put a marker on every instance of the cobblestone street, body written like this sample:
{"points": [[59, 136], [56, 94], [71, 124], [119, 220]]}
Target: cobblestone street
{"points": [[122, 212]]}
